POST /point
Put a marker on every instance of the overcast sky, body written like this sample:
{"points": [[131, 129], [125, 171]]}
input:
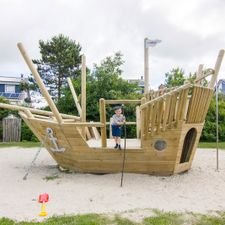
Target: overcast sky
{"points": [[192, 32]]}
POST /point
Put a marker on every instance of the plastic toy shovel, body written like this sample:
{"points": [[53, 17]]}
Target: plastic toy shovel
{"points": [[43, 198]]}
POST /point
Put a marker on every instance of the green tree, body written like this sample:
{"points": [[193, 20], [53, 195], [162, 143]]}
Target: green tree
{"points": [[209, 130], [174, 78], [60, 58], [28, 85], [104, 81], [4, 112]]}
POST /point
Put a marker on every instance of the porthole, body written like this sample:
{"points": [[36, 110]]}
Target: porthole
{"points": [[160, 145]]}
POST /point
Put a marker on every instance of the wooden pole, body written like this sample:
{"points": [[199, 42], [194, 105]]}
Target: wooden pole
{"points": [[138, 121], [122, 101], [74, 96], [83, 92], [217, 129], [40, 83], [199, 74], [103, 121], [216, 69], [35, 111], [143, 117], [146, 67]]}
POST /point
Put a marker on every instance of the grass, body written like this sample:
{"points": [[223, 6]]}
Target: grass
{"points": [[53, 177], [28, 144], [211, 145], [159, 218], [164, 219], [22, 144]]}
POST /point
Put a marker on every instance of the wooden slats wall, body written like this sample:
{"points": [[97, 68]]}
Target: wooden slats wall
{"points": [[199, 104], [165, 113]]}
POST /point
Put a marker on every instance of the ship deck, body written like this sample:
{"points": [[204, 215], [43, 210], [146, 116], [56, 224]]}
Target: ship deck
{"points": [[130, 143]]}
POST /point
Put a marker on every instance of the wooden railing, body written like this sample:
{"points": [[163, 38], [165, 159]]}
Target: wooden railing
{"points": [[102, 111], [164, 112]]}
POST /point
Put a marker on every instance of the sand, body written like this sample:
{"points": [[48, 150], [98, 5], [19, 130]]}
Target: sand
{"points": [[201, 190]]}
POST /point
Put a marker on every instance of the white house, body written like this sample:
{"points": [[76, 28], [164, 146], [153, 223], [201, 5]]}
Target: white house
{"points": [[10, 89]]}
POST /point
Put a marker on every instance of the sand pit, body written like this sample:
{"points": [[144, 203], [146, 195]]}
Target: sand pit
{"points": [[200, 190]]}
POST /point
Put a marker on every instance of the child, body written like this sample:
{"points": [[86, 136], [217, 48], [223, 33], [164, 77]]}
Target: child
{"points": [[117, 120]]}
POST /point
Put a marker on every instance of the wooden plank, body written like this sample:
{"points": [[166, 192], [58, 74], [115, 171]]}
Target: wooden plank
{"points": [[36, 111], [182, 115], [122, 101], [83, 124], [180, 104], [200, 106], [75, 98], [191, 105], [40, 83], [103, 121], [216, 69], [207, 104], [163, 96], [143, 121], [199, 74], [138, 121], [172, 109], [166, 112], [83, 93], [96, 133], [153, 120], [160, 115]]}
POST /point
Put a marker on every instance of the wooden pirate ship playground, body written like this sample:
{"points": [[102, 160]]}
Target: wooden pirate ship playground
{"points": [[168, 122]]}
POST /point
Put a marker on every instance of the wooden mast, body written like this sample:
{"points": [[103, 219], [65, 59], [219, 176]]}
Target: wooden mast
{"points": [[146, 67], [83, 92], [74, 96], [216, 68], [40, 83]]}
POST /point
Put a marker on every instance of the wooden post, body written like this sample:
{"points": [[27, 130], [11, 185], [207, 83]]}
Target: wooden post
{"points": [[138, 121], [36, 111], [216, 68], [199, 73], [110, 129], [40, 83], [146, 67], [83, 92], [103, 121], [74, 96], [143, 116]]}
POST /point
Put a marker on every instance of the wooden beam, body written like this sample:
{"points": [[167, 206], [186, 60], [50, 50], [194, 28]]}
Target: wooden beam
{"points": [[163, 96], [138, 121], [199, 74], [84, 124], [143, 121], [216, 68], [122, 101], [40, 83], [103, 121], [146, 67], [127, 123], [36, 111], [72, 89], [83, 93]]}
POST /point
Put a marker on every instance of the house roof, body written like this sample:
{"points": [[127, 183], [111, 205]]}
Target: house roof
{"points": [[10, 80]]}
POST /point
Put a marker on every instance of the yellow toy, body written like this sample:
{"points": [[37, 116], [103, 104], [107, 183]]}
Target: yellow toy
{"points": [[43, 198]]}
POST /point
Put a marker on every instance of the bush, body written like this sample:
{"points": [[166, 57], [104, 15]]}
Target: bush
{"points": [[27, 134], [209, 130]]}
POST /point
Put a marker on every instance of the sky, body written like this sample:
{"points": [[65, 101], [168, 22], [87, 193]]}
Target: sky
{"points": [[192, 32]]}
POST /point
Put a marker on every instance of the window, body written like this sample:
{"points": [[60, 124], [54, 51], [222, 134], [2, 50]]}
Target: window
{"points": [[9, 88]]}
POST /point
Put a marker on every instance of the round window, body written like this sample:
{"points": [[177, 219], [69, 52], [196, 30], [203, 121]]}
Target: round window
{"points": [[160, 145]]}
